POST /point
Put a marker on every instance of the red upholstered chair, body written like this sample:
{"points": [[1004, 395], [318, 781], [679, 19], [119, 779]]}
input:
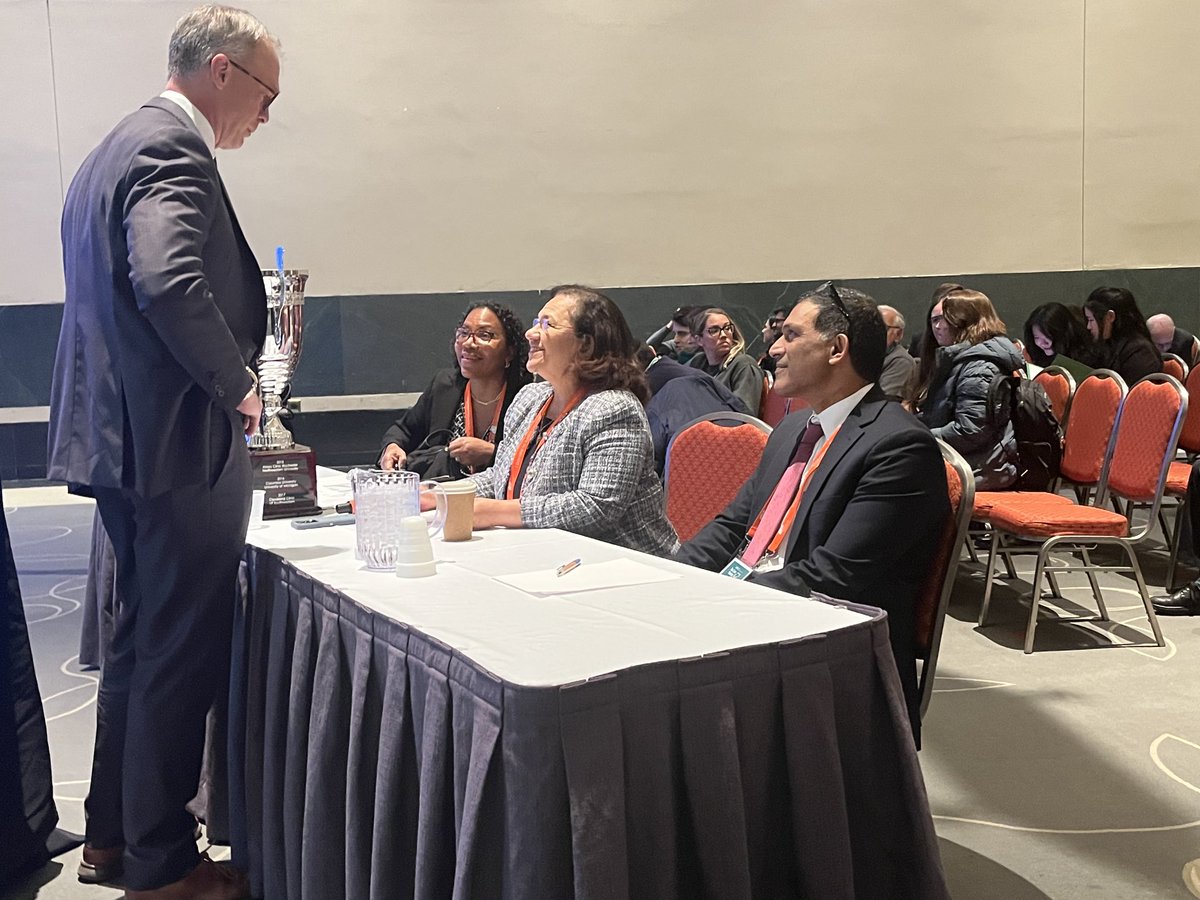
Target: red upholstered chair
{"points": [[1134, 470], [707, 464], [938, 585], [774, 407], [1175, 367], [1059, 386]]}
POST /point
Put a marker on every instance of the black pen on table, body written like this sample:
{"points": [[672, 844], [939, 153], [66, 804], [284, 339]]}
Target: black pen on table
{"points": [[568, 567]]}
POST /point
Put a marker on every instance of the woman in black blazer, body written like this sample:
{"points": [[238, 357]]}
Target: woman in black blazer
{"points": [[455, 425]]}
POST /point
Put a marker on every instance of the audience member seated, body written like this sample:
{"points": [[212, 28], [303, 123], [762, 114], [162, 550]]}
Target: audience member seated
{"points": [[770, 334], [1186, 600], [964, 349], [675, 339], [1056, 335], [898, 364], [1169, 339], [678, 395], [1118, 325], [577, 453], [723, 356], [850, 503], [455, 425]]}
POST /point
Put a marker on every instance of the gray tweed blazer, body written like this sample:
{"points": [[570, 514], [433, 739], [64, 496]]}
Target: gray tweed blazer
{"points": [[593, 476]]}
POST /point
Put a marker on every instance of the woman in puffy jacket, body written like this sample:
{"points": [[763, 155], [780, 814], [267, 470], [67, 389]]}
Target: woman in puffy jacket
{"points": [[964, 348]]}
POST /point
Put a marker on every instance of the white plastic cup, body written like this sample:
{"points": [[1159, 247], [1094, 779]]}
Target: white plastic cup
{"points": [[414, 550]]}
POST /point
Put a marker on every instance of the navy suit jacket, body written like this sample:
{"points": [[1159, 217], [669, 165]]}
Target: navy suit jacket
{"points": [[164, 309], [866, 527]]}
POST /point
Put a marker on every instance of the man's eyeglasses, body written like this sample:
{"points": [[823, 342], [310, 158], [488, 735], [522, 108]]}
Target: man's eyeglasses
{"points": [[271, 92], [717, 330], [774, 321], [462, 335], [895, 328]]}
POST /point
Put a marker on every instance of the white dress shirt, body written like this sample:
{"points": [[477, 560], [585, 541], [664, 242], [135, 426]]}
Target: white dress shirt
{"points": [[197, 117]]}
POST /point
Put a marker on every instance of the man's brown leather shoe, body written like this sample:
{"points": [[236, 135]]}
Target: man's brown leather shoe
{"points": [[208, 881], [101, 865]]}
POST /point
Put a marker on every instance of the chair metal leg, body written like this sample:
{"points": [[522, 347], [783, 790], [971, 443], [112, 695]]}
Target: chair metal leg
{"points": [[1035, 599], [1176, 537], [1095, 583], [1053, 579], [1009, 569], [1141, 583], [991, 577]]}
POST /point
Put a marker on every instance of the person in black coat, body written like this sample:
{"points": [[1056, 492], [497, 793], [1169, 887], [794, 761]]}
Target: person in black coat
{"points": [[964, 349], [455, 425], [868, 519], [28, 816], [1115, 321], [680, 394]]}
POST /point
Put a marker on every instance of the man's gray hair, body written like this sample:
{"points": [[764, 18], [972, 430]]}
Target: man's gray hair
{"points": [[883, 307], [212, 29]]}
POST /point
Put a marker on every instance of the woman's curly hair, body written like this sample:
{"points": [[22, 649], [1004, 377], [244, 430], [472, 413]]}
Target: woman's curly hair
{"points": [[516, 375]]}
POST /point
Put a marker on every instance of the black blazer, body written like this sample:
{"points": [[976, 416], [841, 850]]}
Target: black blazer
{"points": [[866, 528], [434, 412], [164, 310]]}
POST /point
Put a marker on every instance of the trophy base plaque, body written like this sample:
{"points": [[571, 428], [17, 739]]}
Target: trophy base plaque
{"points": [[289, 480]]}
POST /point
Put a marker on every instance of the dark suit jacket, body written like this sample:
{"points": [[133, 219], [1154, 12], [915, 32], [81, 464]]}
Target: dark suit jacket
{"points": [[680, 394], [434, 412], [866, 528], [164, 310]]}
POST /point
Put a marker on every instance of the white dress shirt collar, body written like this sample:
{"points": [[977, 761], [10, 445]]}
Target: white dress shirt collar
{"points": [[835, 414], [197, 117]]}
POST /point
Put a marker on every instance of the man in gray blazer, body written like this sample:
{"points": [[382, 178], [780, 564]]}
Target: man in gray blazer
{"points": [[866, 518], [152, 401]]}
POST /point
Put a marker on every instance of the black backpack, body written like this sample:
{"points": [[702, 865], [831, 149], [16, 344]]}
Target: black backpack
{"points": [[1038, 434]]}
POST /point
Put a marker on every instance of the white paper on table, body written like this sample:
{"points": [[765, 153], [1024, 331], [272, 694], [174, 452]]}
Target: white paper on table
{"points": [[587, 576]]}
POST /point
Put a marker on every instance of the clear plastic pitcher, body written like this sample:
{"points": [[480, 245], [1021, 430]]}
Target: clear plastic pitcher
{"points": [[381, 500]]}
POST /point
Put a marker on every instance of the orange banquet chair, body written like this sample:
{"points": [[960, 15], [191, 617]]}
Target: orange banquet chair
{"points": [[1059, 386], [938, 585], [773, 407], [1175, 367], [1134, 471], [707, 463]]}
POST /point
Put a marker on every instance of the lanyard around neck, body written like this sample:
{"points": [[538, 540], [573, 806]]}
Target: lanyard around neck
{"points": [[535, 436], [469, 413], [789, 517]]}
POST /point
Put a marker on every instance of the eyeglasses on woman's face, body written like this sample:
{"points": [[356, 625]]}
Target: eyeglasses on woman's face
{"points": [[718, 330], [483, 336], [543, 323]]}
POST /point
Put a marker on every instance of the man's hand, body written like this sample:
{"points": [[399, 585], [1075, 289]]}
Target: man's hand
{"points": [[393, 458], [471, 451], [251, 409]]}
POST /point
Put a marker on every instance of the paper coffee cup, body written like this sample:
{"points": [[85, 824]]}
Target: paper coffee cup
{"points": [[460, 510]]}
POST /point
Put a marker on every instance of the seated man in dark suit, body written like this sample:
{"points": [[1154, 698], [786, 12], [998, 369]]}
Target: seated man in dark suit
{"points": [[678, 395], [859, 520], [1169, 339]]}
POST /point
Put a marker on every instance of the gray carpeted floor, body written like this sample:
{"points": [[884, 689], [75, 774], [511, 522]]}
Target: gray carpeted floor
{"points": [[1070, 773]]}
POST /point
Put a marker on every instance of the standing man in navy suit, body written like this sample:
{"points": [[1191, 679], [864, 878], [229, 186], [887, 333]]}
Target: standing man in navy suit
{"points": [[152, 400], [862, 520]]}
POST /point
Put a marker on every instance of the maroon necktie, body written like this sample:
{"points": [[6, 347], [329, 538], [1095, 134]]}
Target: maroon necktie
{"points": [[784, 494]]}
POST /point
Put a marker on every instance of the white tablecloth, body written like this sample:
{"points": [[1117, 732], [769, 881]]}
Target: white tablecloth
{"points": [[539, 640]]}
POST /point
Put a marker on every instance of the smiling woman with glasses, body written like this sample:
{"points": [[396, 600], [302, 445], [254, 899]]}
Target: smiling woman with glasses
{"points": [[455, 425], [723, 356]]}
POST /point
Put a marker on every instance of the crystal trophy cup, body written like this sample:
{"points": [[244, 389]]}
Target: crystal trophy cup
{"points": [[284, 470]]}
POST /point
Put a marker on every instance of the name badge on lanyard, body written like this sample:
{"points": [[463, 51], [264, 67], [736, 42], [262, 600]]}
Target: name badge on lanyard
{"points": [[737, 569]]}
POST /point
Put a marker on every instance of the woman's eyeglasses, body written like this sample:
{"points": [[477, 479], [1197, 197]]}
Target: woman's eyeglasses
{"points": [[717, 330], [543, 323], [462, 335]]}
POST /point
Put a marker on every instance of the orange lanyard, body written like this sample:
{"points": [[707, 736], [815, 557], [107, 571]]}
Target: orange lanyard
{"points": [[523, 449], [469, 414], [789, 517]]}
